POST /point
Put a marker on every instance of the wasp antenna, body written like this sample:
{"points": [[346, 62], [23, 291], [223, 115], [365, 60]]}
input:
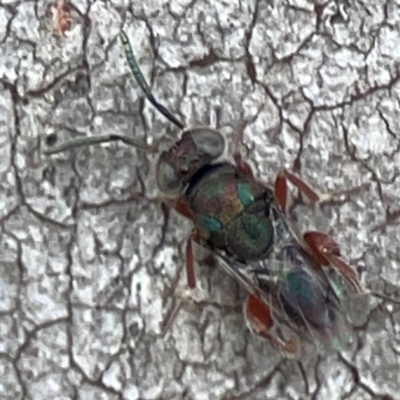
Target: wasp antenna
{"points": [[93, 140], [141, 81]]}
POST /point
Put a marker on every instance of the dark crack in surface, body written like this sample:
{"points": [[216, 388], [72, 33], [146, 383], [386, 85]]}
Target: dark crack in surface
{"points": [[90, 263]]}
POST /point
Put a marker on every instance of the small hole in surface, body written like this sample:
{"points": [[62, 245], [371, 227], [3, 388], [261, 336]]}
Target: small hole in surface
{"points": [[51, 139]]}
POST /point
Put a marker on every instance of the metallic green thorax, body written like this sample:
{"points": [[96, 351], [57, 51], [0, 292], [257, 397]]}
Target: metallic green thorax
{"points": [[231, 211]]}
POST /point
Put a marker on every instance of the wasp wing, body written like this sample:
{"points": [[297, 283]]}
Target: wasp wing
{"points": [[298, 293]]}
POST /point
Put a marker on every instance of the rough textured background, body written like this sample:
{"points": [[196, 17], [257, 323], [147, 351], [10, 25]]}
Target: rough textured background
{"points": [[89, 266]]}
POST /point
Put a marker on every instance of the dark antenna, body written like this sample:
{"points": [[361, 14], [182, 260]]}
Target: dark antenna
{"points": [[137, 73], [52, 148], [92, 140]]}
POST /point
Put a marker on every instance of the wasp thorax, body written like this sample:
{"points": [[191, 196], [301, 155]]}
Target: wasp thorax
{"points": [[197, 148]]}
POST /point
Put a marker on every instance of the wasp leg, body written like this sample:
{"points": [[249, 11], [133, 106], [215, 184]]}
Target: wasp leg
{"points": [[323, 248], [191, 282], [183, 208], [242, 167], [316, 199], [190, 271], [281, 189], [138, 75], [171, 316], [327, 252], [259, 320], [180, 205]]}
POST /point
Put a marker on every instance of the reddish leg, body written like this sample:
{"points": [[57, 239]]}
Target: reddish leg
{"points": [[303, 187], [326, 252], [183, 208], [314, 197], [191, 282], [281, 189], [322, 247], [242, 166], [259, 320], [190, 271], [180, 205]]}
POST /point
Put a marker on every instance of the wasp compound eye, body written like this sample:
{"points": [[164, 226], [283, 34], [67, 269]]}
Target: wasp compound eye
{"points": [[208, 141], [169, 181]]}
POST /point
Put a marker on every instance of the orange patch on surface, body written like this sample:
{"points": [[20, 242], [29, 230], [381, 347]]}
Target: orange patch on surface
{"points": [[61, 17]]}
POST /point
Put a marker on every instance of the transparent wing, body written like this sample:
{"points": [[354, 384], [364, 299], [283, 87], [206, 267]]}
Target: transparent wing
{"points": [[300, 295]]}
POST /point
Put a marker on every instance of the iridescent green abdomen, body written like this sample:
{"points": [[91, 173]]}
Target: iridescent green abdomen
{"points": [[231, 211]]}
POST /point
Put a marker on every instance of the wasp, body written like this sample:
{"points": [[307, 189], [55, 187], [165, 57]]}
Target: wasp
{"points": [[292, 281]]}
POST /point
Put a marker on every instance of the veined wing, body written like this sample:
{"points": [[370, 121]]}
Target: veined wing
{"points": [[300, 295]]}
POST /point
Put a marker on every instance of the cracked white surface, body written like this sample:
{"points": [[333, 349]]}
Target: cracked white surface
{"points": [[90, 265]]}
